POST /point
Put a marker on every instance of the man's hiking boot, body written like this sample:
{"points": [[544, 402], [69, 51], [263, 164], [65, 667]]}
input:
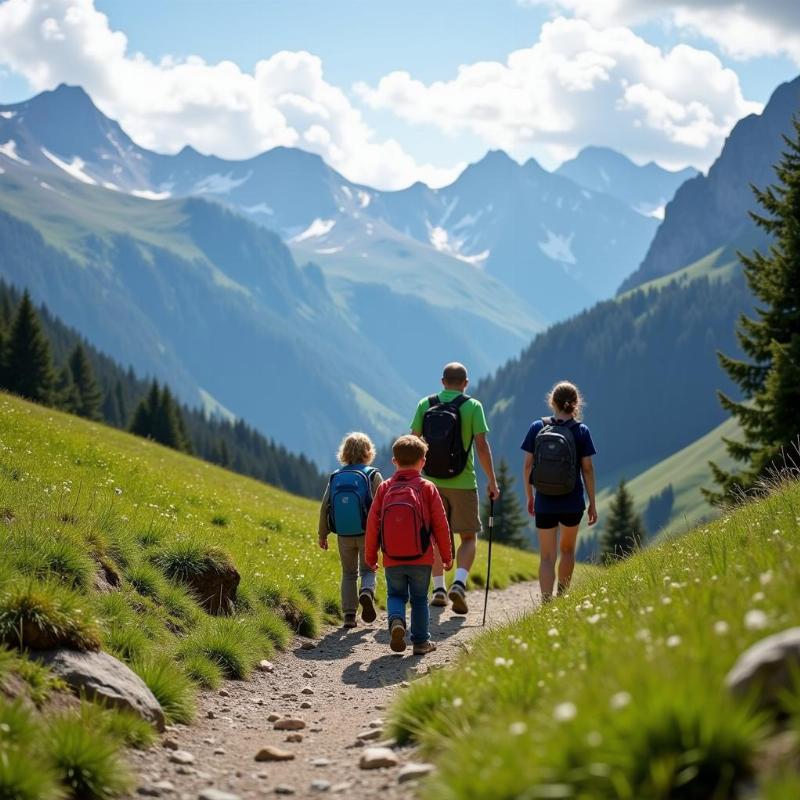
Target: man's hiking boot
{"points": [[367, 601], [423, 648], [398, 636], [349, 621], [439, 598], [458, 595]]}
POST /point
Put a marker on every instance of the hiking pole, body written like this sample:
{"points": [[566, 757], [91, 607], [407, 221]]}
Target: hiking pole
{"points": [[488, 561]]}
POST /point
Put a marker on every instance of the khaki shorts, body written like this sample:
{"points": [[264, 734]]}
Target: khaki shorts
{"points": [[461, 507]]}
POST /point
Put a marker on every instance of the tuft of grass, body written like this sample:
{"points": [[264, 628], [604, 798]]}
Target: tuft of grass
{"points": [[51, 557], [40, 680], [273, 628], [302, 615], [44, 615], [24, 777], [126, 641], [85, 756], [146, 579], [204, 671], [220, 520], [187, 557], [231, 642], [181, 606], [171, 686], [129, 728]]}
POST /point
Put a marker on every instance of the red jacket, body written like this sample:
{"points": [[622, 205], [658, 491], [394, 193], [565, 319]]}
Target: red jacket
{"points": [[434, 512]]}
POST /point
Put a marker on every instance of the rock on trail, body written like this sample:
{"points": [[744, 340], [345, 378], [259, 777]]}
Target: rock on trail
{"points": [[326, 695]]}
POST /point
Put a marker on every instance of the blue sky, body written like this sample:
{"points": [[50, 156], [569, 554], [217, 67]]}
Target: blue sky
{"points": [[436, 129]]}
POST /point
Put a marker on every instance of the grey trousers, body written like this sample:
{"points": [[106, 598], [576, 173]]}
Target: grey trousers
{"points": [[351, 552]]}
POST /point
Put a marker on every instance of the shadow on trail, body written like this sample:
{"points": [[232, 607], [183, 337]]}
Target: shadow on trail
{"points": [[337, 643], [386, 670]]}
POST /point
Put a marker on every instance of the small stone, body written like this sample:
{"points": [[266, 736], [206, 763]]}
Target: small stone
{"points": [[184, 769], [308, 646], [271, 753], [306, 690], [217, 794], [320, 785], [262, 775], [338, 788], [224, 693], [321, 762], [210, 715], [376, 723], [289, 724], [209, 741], [181, 757], [283, 788], [378, 757], [273, 717], [259, 701], [404, 684], [170, 744], [305, 704], [148, 790], [308, 674], [165, 787], [219, 751], [266, 666], [294, 737], [369, 736], [413, 772]]}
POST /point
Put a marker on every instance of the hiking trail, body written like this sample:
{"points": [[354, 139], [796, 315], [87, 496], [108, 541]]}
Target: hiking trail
{"points": [[341, 688]]}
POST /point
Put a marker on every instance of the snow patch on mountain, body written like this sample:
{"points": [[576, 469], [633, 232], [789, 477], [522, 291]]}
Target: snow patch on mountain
{"points": [[319, 227], [220, 184], [8, 114], [364, 199], [558, 247], [327, 251], [9, 149], [477, 259], [260, 208], [74, 168], [147, 194]]}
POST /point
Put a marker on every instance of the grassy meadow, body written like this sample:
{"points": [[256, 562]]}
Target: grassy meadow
{"points": [[616, 690], [79, 500]]}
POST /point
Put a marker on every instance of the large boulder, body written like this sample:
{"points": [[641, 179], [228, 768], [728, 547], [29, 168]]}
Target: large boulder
{"points": [[102, 677], [765, 670]]}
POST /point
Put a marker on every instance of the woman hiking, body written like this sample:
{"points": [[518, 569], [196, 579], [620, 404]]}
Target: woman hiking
{"points": [[558, 452]]}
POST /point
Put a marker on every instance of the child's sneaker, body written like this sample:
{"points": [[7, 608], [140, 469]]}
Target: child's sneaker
{"points": [[458, 595], [423, 648], [398, 634], [367, 601], [349, 621], [439, 598]]}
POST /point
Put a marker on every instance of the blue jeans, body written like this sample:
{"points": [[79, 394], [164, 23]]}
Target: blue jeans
{"points": [[409, 583]]}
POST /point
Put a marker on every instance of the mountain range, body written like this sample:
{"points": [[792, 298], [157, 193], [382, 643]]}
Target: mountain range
{"points": [[135, 249]]}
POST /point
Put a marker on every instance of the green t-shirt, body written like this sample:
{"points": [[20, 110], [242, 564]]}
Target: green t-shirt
{"points": [[473, 422]]}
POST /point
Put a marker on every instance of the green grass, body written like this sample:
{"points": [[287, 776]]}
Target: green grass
{"points": [[617, 690], [687, 471], [172, 687]]}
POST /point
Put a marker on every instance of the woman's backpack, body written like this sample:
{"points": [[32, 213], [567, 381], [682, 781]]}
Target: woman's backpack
{"points": [[405, 532], [441, 429], [349, 499], [555, 459]]}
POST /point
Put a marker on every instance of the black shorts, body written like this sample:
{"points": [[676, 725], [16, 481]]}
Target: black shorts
{"points": [[549, 521]]}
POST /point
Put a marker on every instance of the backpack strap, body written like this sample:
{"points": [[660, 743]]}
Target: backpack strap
{"points": [[460, 400], [434, 400]]}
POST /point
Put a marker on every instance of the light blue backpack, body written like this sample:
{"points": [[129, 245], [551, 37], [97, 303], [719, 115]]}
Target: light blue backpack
{"points": [[349, 499]]}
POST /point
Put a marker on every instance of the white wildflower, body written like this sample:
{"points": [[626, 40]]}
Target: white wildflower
{"points": [[564, 712], [594, 619], [517, 728], [594, 739], [673, 641], [755, 620], [458, 702], [552, 632], [619, 700], [765, 577], [758, 597], [666, 601], [721, 627]]}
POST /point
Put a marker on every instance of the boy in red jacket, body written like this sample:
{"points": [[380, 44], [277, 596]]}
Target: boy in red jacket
{"points": [[405, 517]]}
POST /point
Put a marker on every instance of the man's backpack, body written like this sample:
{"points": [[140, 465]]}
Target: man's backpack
{"points": [[405, 531], [441, 429], [349, 499], [555, 459]]}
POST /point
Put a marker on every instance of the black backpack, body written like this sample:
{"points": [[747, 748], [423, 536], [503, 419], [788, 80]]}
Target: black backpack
{"points": [[555, 458], [441, 429]]}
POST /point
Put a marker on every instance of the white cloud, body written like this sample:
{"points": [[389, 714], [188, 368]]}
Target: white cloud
{"points": [[216, 108], [742, 28], [581, 85]]}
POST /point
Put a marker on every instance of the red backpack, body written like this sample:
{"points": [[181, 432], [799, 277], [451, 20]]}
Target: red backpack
{"points": [[405, 531]]}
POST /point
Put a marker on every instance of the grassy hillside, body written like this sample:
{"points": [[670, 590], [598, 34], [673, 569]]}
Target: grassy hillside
{"points": [[617, 690], [84, 507], [687, 472]]}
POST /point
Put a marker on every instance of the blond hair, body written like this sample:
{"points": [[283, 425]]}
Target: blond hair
{"points": [[356, 448], [566, 398], [409, 450]]}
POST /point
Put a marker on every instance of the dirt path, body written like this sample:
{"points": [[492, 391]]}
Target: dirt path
{"points": [[340, 688]]}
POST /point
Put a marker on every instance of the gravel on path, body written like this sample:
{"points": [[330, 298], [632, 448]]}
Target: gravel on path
{"points": [[338, 694]]}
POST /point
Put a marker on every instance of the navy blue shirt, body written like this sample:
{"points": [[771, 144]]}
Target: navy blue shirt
{"points": [[573, 502]]}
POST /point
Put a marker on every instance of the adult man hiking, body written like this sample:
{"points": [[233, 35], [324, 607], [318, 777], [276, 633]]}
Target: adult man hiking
{"points": [[450, 422]]}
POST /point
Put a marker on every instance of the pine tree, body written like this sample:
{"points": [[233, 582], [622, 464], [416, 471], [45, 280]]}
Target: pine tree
{"points": [[624, 531], [144, 417], [66, 395], [89, 395], [509, 519], [770, 380], [29, 366]]}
